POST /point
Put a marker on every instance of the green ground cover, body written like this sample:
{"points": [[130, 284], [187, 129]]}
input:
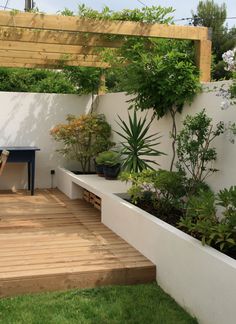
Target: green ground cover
{"points": [[139, 304]]}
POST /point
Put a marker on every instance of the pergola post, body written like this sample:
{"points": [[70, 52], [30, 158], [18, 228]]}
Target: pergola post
{"points": [[203, 59], [102, 84]]}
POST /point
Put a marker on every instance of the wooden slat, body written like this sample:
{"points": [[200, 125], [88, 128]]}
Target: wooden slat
{"points": [[50, 56], [46, 63], [65, 23], [56, 37], [55, 243], [47, 48]]}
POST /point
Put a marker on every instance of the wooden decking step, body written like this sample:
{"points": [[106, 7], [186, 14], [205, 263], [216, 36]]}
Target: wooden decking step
{"points": [[49, 242]]}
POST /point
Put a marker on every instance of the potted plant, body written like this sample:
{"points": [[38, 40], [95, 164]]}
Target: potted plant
{"points": [[108, 163], [99, 165]]}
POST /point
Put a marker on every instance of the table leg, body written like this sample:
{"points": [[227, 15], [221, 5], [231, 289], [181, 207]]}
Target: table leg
{"points": [[32, 174], [29, 175]]}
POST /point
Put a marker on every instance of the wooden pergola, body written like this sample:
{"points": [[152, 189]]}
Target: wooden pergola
{"points": [[35, 40]]}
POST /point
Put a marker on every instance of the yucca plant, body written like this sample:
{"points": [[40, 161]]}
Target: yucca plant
{"points": [[138, 146]]}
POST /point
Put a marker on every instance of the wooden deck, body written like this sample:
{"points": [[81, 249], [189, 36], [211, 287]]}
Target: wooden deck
{"points": [[48, 242]]}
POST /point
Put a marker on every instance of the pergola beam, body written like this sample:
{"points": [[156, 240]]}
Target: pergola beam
{"points": [[34, 32], [48, 63], [56, 37], [49, 56], [97, 26], [44, 47]]}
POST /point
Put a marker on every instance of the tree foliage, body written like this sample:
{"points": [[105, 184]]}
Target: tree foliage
{"points": [[161, 75], [86, 79], [29, 80], [146, 14]]}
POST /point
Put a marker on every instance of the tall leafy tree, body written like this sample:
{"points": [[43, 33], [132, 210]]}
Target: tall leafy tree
{"points": [[162, 76]]}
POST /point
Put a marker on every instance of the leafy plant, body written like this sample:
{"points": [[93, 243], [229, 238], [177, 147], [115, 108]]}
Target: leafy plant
{"points": [[110, 158], [27, 80], [226, 198], [86, 79], [194, 151], [164, 189], [145, 14], [83, 138], [201, 221], [138, 146]]}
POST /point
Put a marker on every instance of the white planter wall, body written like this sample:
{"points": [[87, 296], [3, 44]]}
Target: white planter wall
{"points": [[26, 119], [199, 278]]}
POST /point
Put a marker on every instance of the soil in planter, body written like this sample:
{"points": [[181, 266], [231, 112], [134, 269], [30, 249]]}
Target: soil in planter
{"points": [[171, 217], [80, 172]]}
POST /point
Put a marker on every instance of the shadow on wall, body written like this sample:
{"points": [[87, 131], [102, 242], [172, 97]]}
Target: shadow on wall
{"points": [[26, 121]]}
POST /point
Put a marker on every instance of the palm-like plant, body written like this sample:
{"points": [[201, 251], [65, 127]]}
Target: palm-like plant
{"points": [[138, 146]]}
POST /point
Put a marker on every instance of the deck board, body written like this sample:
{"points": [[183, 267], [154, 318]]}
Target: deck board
{"points": [[49, 242]]}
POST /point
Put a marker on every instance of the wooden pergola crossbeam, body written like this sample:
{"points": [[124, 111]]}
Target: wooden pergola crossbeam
{"points": [[24, 33], [45, 47], [50, 56], [98, 26], [15, 34], [48, 63]]}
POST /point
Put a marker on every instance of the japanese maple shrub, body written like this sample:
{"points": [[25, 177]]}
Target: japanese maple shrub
{"points": [[83, 138]]}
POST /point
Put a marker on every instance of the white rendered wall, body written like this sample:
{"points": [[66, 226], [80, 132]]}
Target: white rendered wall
{"points": [[26, 119], [116, 104]]}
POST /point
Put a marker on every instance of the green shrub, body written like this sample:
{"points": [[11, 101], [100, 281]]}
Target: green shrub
{"points": [[29, 80], [195, 153], [83, 138], [201, 221], [165, 189], [226, 198]]}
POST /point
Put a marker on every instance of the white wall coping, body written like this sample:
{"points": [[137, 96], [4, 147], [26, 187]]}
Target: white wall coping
{"points": [[93, 183]]}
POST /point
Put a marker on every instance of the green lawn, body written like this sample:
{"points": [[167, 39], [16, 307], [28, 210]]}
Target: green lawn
{"points": [[141, 304]]}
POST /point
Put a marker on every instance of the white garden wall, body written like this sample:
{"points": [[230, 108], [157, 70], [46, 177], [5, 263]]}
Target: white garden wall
{"points": [[26, 119], [116, 104]]}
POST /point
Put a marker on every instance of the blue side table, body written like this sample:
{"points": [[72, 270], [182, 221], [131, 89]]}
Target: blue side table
{"points": [[23, 154]]}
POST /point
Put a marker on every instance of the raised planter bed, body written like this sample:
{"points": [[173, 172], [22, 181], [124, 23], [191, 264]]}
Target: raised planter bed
{"points": [[199, 278]]}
